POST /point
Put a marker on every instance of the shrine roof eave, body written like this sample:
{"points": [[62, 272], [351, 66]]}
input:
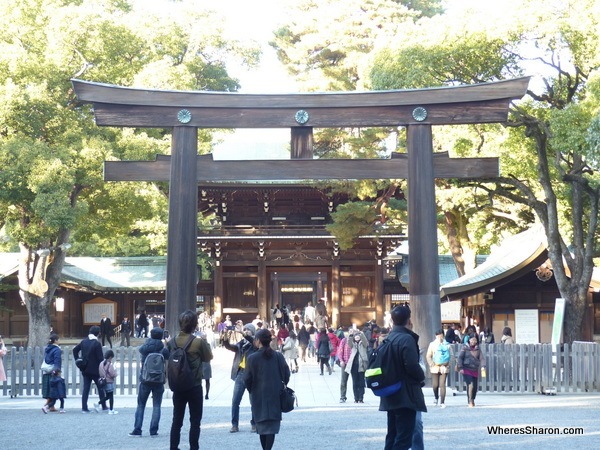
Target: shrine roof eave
{"points": [[91, 92], [516, 256], [323, 237]]}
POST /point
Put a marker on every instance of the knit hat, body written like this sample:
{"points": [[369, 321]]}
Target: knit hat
{"points": [[156, 333], [250, 327]]}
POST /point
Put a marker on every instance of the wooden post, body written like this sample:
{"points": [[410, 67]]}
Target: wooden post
{"points": [[182, 272], [422, 234]]}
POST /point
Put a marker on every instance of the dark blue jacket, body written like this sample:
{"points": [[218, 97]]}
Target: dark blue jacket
{"points": [[153, 346], [52, 355]]}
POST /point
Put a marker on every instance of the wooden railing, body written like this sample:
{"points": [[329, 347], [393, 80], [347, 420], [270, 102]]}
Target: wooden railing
{"points": [[536, 368], [510, 368]]}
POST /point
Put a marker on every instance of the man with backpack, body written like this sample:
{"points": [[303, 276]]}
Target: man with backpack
{"points": [[186, 355], [152, 381], [403, 360], [438, 357]]}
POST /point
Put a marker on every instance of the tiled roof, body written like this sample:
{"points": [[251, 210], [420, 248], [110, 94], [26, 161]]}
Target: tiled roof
{"points": [[511, 258], [116, 274]]}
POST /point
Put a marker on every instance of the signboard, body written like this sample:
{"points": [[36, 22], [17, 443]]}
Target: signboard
{"points": [[93, 310], [527, 326], [451, 311], [557, 325]]}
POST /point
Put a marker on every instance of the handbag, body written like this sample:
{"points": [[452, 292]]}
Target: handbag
{"points": [[287, 396], [47, 367], [101, 382], [81, 363]]}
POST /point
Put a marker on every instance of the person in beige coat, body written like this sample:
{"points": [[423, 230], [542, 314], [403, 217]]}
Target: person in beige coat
{"points": [[438, 360]]}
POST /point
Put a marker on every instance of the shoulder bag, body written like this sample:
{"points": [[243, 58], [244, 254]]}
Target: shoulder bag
{"points": [[287, 397]]}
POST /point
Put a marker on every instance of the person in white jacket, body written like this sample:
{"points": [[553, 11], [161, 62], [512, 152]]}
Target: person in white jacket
{"points": [[439, 354]]}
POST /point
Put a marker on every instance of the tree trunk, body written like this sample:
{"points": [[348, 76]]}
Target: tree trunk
{"points": [[39, 276], [39, 319], [574, 313]]}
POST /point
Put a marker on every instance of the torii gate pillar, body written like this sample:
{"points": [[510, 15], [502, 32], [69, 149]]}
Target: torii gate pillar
{"points": [[422, 234], [182, 249]]}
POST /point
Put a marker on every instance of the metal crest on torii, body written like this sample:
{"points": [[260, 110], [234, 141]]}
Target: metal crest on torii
{"points": [[418, 110]]}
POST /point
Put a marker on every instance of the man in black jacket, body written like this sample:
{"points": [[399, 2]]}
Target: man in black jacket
{"points": [[106, 330], [125, 331], [402, 406], [153, 344], [90, 351], [242, 349]]}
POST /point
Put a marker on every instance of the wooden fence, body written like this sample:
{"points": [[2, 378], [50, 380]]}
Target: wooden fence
{"points": [[510, 368], [536, 368]]}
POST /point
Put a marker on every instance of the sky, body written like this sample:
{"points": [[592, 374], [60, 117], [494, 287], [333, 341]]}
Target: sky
{"points": [[256, 20]]}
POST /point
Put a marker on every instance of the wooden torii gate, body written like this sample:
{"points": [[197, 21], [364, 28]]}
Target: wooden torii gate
{"points": [[185, 112]]}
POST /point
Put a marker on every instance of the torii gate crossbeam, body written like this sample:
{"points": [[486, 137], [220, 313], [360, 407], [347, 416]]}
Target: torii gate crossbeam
{"points": [[417, 109]]}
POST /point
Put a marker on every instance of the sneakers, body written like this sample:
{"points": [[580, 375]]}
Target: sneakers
{"points": [[112, 411], [135, 434], [85, 411], [471, 404], [330, 371], [343, 400], [45, 409], [443, 405], [234, 429], [97, 407], [435, 402], [62, 411]]}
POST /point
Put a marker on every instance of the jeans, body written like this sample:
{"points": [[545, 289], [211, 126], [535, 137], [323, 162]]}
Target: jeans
{"points": [[194, 400], [106, 337], [344, 384], [417, 438], [238, 393], [157, 390], [125, 336], [87, 384], [400, 429]]}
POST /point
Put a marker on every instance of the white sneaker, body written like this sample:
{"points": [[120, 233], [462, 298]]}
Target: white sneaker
{"points": [[45, 409], [435, 402], [97, 407], [112, 411], [442, 405]]}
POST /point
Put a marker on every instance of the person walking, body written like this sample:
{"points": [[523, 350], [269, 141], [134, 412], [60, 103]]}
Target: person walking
{"points": [[107, 370], [343, 355], [303, 339], [57, 391], [3, 352], [470, 360], [243, 349], [266, 370], [52, 356], [290, 351], [90, 351], [323, 345], [357, 364], [106, 330], [334, 346], [198, 351], [153, 344], [125, 332], [402, 406], [438, 357], [142, 325]]}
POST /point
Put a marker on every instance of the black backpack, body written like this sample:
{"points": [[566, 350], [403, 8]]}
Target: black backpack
{"points": [[153, 370], [181, 377], [380, 376]]}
